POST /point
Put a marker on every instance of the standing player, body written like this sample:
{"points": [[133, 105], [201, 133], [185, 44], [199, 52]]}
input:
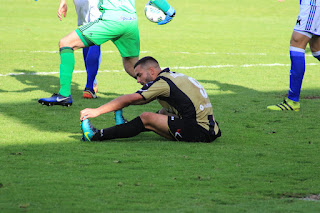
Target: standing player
{"points": [[87, 10], [186, 115], [306, 30], [118, 23]]}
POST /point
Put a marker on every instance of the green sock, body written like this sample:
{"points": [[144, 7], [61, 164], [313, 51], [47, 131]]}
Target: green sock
{"points": [[162, 4], [66, 70]]}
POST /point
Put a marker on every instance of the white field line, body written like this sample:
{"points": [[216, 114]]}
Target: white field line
{"points": [[186, 53], [56, 51], [173, 68]]}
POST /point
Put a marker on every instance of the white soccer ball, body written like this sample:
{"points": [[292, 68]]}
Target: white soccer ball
{"points": [[154, 13]]}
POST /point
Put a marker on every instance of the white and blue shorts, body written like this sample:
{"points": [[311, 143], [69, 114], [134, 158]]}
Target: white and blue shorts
{"points": [[87, 11], [308, 20]]}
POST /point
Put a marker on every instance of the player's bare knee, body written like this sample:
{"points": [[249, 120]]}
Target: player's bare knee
{"points": [[62, 43], [146, 118], [294, 42], [314, 47]]}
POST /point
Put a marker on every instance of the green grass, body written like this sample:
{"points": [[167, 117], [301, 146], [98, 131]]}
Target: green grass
{"points": [[264, 162]]}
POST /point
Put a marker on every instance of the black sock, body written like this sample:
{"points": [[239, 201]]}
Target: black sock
{"points": [[125, 130]]}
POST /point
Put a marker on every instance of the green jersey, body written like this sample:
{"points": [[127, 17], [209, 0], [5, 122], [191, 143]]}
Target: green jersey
{"points": [[112, 9]]}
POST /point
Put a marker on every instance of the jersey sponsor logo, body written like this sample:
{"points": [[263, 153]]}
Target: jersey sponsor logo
{"points": [[123, 18]]}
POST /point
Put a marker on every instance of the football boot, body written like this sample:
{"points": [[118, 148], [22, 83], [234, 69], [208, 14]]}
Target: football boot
{"points": [[286, 105], [56, 99], [88, 93], [87, 130], [119, 117]]}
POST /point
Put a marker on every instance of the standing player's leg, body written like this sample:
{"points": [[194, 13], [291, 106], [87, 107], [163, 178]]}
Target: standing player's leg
{"points": [[92, 59], [315, 46], [129, 47], [128, 64], [305, 31], [67, 45], [89, 12], [298, 43]]}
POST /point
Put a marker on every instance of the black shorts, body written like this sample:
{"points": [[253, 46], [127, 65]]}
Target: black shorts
{"points": [[189, 130]]}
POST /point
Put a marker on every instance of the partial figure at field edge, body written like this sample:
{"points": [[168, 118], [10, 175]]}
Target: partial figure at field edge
{"points": [[306, 30]]}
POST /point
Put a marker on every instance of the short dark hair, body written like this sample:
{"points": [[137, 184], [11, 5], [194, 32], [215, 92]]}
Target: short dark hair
{"points": [[145, 60]]}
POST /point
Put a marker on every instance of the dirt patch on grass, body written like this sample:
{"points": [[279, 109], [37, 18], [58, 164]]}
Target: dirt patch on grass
{"points": [[312, 197], [311, 97]]}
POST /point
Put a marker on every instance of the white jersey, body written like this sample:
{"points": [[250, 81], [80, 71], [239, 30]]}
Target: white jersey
{"points": [[308, 19], [310, 2], [87, 10]]}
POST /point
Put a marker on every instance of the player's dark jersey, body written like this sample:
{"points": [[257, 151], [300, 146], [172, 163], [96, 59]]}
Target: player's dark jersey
{"points": [[183, 96]]}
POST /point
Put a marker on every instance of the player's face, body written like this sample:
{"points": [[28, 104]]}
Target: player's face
{"points": [[143, 75]]}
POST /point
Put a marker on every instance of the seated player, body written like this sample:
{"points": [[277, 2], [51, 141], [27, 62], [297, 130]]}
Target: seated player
{"points": [[186, 115]]}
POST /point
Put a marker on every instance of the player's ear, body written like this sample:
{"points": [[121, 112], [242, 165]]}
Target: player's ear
{"points": [[152, 70]]}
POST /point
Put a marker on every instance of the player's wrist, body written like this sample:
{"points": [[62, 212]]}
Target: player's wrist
{"points": [[170, 11]]}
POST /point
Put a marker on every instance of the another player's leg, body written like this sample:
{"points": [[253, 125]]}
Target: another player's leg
{"points": [[297, 55], [92, 57], [128, 64], [315, 46], [129, 47], [67, 45]]}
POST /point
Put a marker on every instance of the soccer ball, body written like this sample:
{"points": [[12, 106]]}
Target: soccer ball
{"points": [[154, 13]]}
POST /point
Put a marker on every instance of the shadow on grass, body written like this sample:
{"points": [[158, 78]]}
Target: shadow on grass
{"points": [[243, 101], [56, 118], [42, 82]]}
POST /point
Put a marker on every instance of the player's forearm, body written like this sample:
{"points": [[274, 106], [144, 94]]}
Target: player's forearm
{"points": [[162, 4], [119, 103], [113, 105]]}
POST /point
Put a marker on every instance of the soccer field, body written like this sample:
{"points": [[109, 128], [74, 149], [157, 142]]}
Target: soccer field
{"points": [[238, 50]]}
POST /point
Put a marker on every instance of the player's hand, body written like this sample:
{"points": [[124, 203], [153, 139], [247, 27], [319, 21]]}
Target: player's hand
{"points": [[169, 16], [88, 113], [62, 11]]}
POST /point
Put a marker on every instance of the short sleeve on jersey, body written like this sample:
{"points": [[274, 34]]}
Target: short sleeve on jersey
{"points": [[155, 89]]}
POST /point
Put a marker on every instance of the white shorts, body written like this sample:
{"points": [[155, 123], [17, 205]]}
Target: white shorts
{"points": [[308, 20], [87, 10]]}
